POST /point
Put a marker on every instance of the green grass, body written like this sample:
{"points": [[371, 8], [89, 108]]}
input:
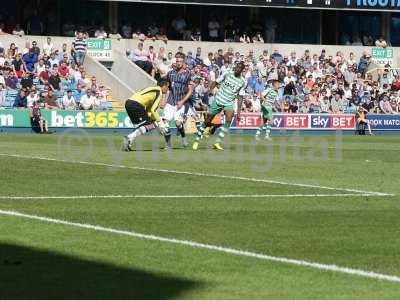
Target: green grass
{"points": [[52, 261]]}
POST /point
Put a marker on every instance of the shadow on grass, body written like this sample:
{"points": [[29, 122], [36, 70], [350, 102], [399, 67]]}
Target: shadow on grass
{"points": [[27, 273]]}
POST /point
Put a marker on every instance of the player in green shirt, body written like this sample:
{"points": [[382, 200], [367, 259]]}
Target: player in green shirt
{"points": [[268, 97], [231, 87]]}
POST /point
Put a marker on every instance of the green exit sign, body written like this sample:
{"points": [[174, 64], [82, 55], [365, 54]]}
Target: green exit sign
{"points": [[99, 44], [382, 53]]}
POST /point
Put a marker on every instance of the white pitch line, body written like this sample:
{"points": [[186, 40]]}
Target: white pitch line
{"points": [[183, 196], [215, 248], [199, 174]]}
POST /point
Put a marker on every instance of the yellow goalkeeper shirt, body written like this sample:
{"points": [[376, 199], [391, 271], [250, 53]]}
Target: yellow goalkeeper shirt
{"points": [[150, 99]]}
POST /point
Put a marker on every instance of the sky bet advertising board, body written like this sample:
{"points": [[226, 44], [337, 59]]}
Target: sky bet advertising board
{"points": [[318, 121], [120, 120], [390, 5]]}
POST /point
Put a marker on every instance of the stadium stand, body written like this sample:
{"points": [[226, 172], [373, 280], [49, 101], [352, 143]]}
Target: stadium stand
{"points": [[310, 82], [56, 71]]}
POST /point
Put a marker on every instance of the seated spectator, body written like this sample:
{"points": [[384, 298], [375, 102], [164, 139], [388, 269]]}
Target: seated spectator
{"points": [[18, 30], [325, 105], [140, 57], [27, 81], [93, 84], [11, 80], [381, 42], [53, 60], [54, 81], [30, 59], [100, 33], [87, 101], [152, 56], [63, 70], [48, 47], [114, 34], [126, 31], [18, 65], [12, 51], [68, 101], [31, 98], [3, 92], [37, 120], [50, 101], [78, 93], [40, 67], [44, 75], [84, 82], [20, 100], [385, 106]]}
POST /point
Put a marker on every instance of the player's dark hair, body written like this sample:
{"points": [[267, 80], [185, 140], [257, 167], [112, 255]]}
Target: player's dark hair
{"points": [[162, 82], [241, 64]]}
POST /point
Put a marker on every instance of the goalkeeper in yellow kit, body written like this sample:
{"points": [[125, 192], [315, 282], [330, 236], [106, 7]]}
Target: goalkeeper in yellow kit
{"points": [[142, 109]]}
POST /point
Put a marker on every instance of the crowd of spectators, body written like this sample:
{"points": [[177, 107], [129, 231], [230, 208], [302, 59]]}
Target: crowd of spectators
{"points": [[54, 78], [310, 82]]}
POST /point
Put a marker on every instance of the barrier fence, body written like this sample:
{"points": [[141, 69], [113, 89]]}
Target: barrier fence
{"points": [[120, 120]]}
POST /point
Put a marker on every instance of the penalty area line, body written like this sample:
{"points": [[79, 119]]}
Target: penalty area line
{"points": [[43, 197], [213, 248], [199, 174]]}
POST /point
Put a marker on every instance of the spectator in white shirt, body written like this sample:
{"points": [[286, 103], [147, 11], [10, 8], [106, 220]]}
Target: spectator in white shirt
{"points": [[31, 98], [381, 42], [100, 33], [48, 47], [68, 101], [87, 101], [53, 60], [40, 67], [140, 57]]}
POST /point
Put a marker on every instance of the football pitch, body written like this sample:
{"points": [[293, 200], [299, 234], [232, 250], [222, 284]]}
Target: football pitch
{"points": [[296, 218]]}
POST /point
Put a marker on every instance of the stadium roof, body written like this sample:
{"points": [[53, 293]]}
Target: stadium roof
{"points": [[371, 5]]}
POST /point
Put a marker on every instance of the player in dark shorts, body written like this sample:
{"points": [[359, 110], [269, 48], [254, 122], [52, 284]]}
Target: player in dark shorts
{"points": [[142, 109]]}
